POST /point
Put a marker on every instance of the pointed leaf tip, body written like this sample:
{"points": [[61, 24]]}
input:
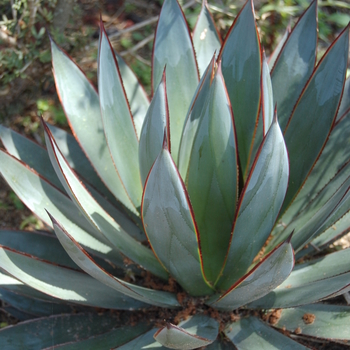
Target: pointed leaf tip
{"points": [[165, 140], [289, 239]]}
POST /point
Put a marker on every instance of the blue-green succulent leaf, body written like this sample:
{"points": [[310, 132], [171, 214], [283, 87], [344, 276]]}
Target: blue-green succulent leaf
{"points": [[267, 184], [81, 105], [118, 123], [152, 133], [212, 179], [206, 38], [173, 235], [266, 276], [115, 231], [195, 332], [344, 107], [241, 67], [295, 63], [306, 137], [267, 96], [319, 320], [173, 48], [63, 283], [198, 103], [86, 263], [251, 333], [276, 52]]}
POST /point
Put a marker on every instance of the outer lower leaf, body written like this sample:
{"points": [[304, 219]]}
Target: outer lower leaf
{"points": [[81, 105], [51, 331], [206, 39], [115, 232], [198, 103], [135, 92], [42, 245], [34, 307], [145, 341], [344, 107], [266, 276], [152, 133], [308, 285], [241, 67], [173, 235], [295, 63], [173, 48], [38, 194], [212, 179], [117, 120], [266, 184], [193, 333], [330, 165], [30, 153], [85, 262], [306, 137], [108, 340], [63, 283], [250, 333], [318, 320], [326, 208]]}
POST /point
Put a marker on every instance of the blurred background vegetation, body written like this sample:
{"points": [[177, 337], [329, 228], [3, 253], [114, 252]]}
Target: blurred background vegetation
{"points": [[27, 88]]}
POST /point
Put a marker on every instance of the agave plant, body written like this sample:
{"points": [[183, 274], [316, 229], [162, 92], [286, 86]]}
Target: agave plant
{"points": [[187, 209]]}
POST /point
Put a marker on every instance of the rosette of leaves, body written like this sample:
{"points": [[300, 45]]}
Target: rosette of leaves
{"points": [[235, 165]]}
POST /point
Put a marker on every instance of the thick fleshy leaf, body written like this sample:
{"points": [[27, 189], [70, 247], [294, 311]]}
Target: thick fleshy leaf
{"points": [[30, 153], [193, 333], [152, 133], [241, 67], [267, 184], [273, 57], [327, 207], [145, 341], [212, 179], [295, 63], [108, 340], [199, 102], [137, 97], [40, 244], [52, 331], [267, 96], [206, 38], [266, 276], [114, 231], [18, 314], [38, 194], [173, 235], [173, 48], [311, 282], [79, 162], [34, 307], [117, 121], [63, 283], [344, 107], [329, 166], [306, 137], [81, 105], [85, 262], [251, 333], [318, 320]]}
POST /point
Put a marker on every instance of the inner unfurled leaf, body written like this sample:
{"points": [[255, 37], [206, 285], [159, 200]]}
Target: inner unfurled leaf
{"points": [[152, 133], [258, 206], [241, 67], [118, 123], [212, 179], [173, 48], [169, 224], [295, 63], [206, 39]]}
